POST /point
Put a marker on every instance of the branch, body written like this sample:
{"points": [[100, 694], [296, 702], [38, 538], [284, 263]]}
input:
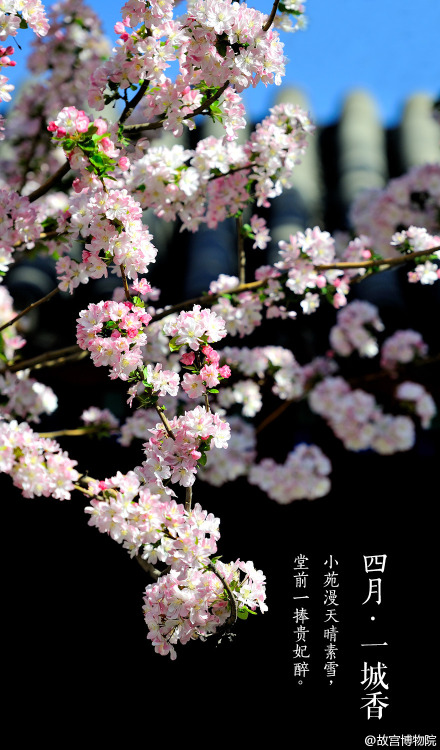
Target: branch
{"points": [[274, 415], [72, 433], [124, 280], [240, 249], [199, 111], [149, 568], [49, 359], [28, 309], [377, 262], [130, 106], [188, 498], [207, 299], [65, 168], [271, 18], [232, 619], [165, 423], [59, 174]]}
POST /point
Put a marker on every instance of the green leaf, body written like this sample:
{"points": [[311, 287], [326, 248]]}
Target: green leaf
{"points": [[173, 346], [212, 390], [202, 460], [242, 614], [68, 144]]}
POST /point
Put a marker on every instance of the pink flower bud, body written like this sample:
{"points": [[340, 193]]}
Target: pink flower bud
{"points": [[188, 359], [82, 123], [106, 145], [124, 163], [101, 125], [225, 371], [119, 27], [51, 127]]}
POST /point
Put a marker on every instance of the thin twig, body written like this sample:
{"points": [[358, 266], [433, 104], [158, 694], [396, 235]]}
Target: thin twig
{"points": [[207, 299], [232, 619], [59, 174], [155, 573], [165, 423], [71, 433], [29, 308], [130, 106], [124, 280], [43, 236], [128, 129], [271, 18], [65, 168], [48, 359], [188, 498], [378, 262], [274, 415], [241, 251], [88, 493]]}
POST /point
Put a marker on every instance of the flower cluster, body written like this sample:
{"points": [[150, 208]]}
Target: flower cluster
{"points": [[204, 374], [100, 418], [19, 226], [289, 377], [195, 328], [213, 182], [352, 331], [401, 348], [304, 475], [228, 37], [174, 454], [87, 145], [194, 603], [300, 256], [190, 601], [410, 200], [112, 224], [61, 64], [154, 528], [10, 340], [418, 400], [238, 457], [27, 398], [36, 465], [113, 332], [358, 421], [16, 14]]}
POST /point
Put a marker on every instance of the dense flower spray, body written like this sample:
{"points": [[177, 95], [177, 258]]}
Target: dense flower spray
{"points": [[74, 188]]}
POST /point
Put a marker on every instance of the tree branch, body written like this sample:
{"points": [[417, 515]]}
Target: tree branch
{"points": [[130, 106], [232, 619], [165, 423], [29, 308], [377, 262], [59, 174], [271, 18], [48, 359], [240, 249], [198, 111]]}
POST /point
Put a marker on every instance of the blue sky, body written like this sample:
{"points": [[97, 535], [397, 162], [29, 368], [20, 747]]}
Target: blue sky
{"points": [[390, 48]]}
